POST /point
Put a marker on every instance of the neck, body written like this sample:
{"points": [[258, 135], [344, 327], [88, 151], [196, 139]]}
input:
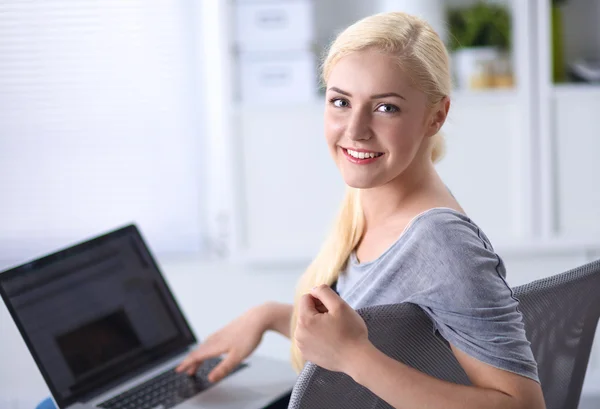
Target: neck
{"points": [[403, 193]]}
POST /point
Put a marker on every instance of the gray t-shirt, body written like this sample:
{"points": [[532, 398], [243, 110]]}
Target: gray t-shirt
{"points": [[445, 264]]}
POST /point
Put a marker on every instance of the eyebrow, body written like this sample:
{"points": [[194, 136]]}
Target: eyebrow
{"points": [[376, 96]]}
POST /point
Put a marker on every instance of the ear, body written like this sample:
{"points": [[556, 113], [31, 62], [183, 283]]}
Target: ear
{"points": [[438, 115]]}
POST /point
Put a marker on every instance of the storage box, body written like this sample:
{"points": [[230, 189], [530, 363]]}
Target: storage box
{"points": [[277, 78], [274, 24]]}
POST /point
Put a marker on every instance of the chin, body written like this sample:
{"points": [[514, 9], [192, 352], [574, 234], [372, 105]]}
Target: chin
{"points": [[360, 183], [362, 177]]}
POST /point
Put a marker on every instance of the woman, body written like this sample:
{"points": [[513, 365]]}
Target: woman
{"points": [[400, 237]]}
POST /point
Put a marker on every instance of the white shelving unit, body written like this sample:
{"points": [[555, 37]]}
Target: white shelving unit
{"points": [[568, 145], [505, 162], [293, 190]]}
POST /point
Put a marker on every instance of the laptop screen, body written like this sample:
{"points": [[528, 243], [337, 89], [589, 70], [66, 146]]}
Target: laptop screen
{"points": [[95, 314]]}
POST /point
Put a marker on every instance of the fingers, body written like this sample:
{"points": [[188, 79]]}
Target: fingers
{"points": [[224, 368], [330, 300], [191, 363], [307, 306], [319, 305]]}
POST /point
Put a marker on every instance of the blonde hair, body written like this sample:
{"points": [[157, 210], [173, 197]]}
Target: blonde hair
{"points": [[423, 56]]}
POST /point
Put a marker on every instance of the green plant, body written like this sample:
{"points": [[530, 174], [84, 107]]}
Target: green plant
{"points": [[479, 25]]}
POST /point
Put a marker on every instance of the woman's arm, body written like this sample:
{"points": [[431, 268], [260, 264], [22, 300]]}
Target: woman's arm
{"points": [[277, 317], [238, 339], [332, 335], [405, 387]]}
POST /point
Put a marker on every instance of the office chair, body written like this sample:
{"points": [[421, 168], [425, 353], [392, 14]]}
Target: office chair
{"points": [[560, 315]]}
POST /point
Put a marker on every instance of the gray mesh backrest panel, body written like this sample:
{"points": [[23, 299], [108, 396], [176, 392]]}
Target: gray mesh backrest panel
{"points": [[561, 315], [402, 331]]}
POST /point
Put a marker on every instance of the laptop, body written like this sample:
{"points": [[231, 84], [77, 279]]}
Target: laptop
{"points": [[106, 332]]}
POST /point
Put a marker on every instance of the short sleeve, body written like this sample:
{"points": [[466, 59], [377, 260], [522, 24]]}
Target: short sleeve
{"points": [[468, 299]]}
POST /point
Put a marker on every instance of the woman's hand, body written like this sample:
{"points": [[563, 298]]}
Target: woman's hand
{"points": [[238, 340], [328, 331]]}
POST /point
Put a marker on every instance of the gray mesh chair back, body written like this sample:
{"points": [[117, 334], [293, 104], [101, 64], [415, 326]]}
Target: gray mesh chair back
{"points": [[560, 313], [403, 332]]}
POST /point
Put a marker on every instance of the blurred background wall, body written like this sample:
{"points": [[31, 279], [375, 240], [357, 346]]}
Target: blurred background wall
{"points": [[201, 121]]}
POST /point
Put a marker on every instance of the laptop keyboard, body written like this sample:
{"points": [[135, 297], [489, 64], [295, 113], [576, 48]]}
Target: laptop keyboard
{"points": [[165, 390]]}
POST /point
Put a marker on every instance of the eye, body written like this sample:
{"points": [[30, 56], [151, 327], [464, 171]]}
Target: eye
{"points": [[388, 108], [339, 102]]}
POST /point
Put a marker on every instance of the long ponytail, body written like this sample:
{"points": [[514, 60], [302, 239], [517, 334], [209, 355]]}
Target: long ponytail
{"points": [[326, 267]]}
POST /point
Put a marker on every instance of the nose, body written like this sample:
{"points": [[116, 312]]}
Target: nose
{"points": [[359, 125]]}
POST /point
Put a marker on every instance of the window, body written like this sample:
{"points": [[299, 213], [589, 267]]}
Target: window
{"points": [[100, 123]]}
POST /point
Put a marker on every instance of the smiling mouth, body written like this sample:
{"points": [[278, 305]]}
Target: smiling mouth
{"points": [[362, 155], [361, 158]]}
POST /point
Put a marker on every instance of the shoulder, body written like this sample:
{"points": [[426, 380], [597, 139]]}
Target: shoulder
{"points": [[446, 240], [447, 226], [447, 231]]}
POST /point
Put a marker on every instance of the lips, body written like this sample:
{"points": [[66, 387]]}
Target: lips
{"points": [[361, 157], [362, 154]]}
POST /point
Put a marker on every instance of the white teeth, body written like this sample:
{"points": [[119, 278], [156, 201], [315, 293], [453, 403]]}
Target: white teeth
{"points": [[362, 155]]}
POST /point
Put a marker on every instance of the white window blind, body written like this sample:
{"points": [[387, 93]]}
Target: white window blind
{"points": [[99, 123]]}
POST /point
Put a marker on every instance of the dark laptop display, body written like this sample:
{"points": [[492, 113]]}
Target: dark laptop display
{"points": [[94, 313]]}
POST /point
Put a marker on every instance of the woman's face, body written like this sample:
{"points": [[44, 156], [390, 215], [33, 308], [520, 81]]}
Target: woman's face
{"points": [[376, 123]]}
